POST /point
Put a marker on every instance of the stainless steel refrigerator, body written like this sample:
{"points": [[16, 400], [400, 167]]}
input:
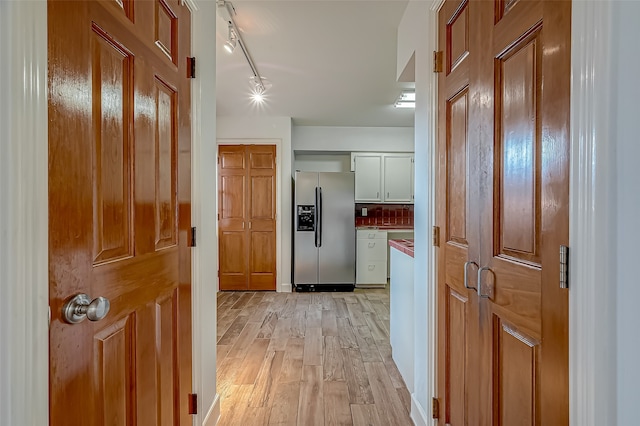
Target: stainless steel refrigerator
{"points": [[324, 243]]}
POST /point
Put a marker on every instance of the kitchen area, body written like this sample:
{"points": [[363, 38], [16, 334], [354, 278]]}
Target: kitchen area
{"points": [[353, 228]]}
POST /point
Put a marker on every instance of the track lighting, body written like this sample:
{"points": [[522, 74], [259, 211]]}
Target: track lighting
{"points": [[232, 40], [257, 81]]}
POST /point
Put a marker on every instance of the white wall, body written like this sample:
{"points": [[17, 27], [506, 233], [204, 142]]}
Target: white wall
{"points": [[322, 163], [347, 139], [416, 40], [627, 64], [203, 207], [24, 263], [276, 130]]}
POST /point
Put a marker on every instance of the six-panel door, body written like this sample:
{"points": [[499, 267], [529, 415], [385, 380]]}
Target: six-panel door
{"points": [[119, 209]]}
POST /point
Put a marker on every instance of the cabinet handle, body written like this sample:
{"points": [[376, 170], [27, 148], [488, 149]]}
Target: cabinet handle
{"points": [[372, 267], [378, 194], [372, 235], [387, 195], [372, 245]]}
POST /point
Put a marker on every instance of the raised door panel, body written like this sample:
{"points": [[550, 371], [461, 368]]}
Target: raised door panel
{"points": [[515, 376], [368, 178], [112, 69], [166, 29], [456, 361], [115, 352], [233, 260], [457, 168], [166, 152], [262, 260]]}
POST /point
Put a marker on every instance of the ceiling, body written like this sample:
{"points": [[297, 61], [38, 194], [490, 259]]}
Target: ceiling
{"points": [[329, 63]]}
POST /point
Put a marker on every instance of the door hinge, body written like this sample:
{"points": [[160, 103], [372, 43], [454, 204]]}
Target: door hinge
{"points": [[193, 403], [436, 236], [191, 67], [435, 408], [564, 267], [437, 61], [193, 237]]}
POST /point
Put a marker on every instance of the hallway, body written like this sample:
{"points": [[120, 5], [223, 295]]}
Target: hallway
{"points": [[308, 359]]}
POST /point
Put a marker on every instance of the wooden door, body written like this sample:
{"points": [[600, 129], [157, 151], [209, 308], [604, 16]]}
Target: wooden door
{"points": [[119, 209], [518, 134], [247, 217], [457, 209]]}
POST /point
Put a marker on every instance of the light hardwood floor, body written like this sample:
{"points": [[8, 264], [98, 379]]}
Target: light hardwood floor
{"points": [[308, 359]]}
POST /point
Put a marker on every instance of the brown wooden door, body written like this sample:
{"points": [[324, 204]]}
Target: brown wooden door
{"points": [[457, 211], [247, 217], [119, 208], [518, 163]]}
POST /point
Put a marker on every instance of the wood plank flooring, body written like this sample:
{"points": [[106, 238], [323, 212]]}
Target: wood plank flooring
{"points": [[305, 359]]}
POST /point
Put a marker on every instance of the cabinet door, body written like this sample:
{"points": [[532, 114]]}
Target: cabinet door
{"points": [[368, 178], [398, 178]]}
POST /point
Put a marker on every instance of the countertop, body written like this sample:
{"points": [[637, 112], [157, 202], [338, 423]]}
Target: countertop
{"points": [[387, 227], [405, 246]]}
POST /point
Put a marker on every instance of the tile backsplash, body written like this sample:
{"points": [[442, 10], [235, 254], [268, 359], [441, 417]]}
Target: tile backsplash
{"points": [[384, 214]]}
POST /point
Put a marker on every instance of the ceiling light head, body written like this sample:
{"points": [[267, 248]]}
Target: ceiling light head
{"points": [[232, 40], [229, 45], [259, 85]]}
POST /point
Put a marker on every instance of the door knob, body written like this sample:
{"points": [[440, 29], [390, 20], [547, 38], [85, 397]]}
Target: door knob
{"points": [[80, 307]]}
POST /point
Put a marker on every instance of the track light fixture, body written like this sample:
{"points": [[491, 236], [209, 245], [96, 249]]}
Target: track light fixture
{"points": [[232, 40], [230, 12]]}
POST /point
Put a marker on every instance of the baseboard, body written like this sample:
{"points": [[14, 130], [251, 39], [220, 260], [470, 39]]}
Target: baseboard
{"points": [[213, 416], [285, 288], [418, 415]]}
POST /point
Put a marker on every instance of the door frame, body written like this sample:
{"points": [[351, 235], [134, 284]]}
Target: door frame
{"points": [[280, 282], [592, 231]]}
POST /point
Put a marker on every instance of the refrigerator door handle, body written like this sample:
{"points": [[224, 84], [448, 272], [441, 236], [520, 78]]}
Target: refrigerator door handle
{"points": [[319, 222], [315, 218]]}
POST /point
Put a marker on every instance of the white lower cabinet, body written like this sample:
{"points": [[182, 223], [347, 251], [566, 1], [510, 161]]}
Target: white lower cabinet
{"points": [[371, 258]]}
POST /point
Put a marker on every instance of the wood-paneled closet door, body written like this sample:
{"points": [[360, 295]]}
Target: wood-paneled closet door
{"points": [[120, 210], [247, 217], [517, 145]]}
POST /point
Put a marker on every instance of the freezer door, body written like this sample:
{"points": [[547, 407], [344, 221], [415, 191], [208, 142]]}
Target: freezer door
{"points": [[337, 253], [305, 252]]}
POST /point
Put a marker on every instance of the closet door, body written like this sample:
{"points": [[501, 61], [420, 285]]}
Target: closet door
{"points": [[524, 182], [261, 217], [503, 147], [247, 217], [457, 220], [232, 213]]}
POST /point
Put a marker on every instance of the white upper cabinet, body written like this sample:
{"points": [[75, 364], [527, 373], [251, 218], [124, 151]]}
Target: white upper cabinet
{"points": [[383, 177], [398, 178], [368, 168]]}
